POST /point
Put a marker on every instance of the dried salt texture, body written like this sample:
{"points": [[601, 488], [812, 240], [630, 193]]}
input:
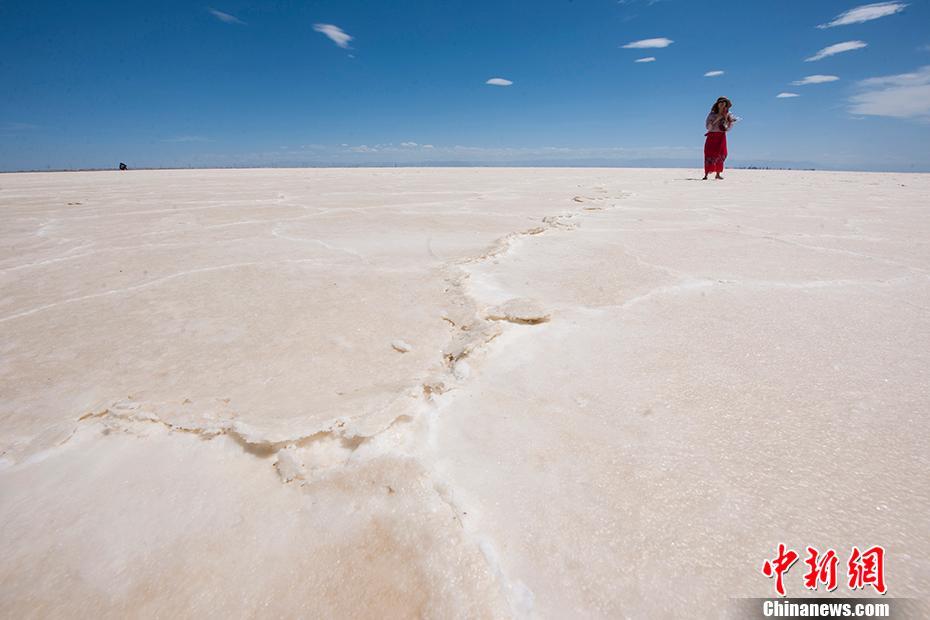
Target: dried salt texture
{"points": [[519, 310], [288, 464]]}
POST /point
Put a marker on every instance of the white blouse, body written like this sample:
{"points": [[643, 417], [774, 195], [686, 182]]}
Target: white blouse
{"points": [[719, 122]]}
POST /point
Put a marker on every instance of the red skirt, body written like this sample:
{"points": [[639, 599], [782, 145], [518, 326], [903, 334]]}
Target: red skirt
{"points": [[715, 151]]}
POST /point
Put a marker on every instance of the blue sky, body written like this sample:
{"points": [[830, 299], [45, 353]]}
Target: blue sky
{"points": [[238, 83]]}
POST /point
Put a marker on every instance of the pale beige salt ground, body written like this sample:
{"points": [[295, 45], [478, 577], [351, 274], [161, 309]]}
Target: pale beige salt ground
{"points": [[623, 388]]}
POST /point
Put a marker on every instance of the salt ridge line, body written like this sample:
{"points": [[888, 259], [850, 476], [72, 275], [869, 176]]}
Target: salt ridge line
{"points": [[311, 455], [521, 312], [471, 331]]}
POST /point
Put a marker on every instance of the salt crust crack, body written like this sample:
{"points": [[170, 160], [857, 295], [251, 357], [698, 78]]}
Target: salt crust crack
{"points": [[302, 456]]}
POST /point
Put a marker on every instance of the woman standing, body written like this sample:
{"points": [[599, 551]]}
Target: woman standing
{"points": [[718, 123]]}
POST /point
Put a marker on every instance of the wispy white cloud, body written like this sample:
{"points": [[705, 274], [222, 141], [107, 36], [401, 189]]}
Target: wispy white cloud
{"points": [[786, 95], [905, 95], [714, 73], [815, 79], [648, 43], [921, 76], [388, 148], [336, 34], [226, 18], [646, 59], [499, 82], [837, 48], [865, 13]]}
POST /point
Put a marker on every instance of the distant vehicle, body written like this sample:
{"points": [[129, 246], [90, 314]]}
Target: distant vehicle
{"points": [[123, 166]]}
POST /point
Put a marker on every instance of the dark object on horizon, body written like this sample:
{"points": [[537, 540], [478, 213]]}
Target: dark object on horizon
{"points": [[123, 166]]}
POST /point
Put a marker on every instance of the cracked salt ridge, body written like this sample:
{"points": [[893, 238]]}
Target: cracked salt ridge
{"points": [[472, 332], [301, 456], [504, 244], [520, 310], [475, 333], [300, 461], [253, 440]]}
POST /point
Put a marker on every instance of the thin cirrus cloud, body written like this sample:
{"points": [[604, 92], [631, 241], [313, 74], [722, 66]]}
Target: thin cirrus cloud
{"points": [[905, 95], [499, 82], [648, 43], [646, 59], [837, 48], [714, 73], [786, 95], [815, 79], [336, 34], [865, 13], [226, 18]]}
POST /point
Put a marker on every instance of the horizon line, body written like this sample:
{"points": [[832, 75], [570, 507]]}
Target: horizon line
{"points": [[922, 168]]}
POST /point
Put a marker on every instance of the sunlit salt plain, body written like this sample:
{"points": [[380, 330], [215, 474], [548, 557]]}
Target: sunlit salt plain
{"points": [[447, 393]]}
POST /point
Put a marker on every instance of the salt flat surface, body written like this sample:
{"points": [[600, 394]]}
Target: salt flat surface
{"points": [[455, 392]]}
